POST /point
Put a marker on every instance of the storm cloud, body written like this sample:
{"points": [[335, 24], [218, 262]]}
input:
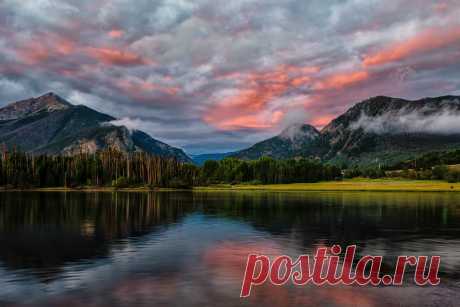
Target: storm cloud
{"points": [[214, 75]]}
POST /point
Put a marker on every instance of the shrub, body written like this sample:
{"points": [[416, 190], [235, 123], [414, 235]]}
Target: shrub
{"points": [[440, 172], [120, 182], [453, 176], [179, 183]]}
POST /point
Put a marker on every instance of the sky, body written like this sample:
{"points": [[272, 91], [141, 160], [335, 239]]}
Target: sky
{"points": [[219, 75]]}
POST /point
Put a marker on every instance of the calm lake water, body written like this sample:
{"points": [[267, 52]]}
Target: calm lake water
{"points": [[189, 249]]}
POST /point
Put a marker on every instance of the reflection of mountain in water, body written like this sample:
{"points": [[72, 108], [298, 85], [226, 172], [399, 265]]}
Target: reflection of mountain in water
{"points": [[42, 232], [340, 217], [46, 230]]}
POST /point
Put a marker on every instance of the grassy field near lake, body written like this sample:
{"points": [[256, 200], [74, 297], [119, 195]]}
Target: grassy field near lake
{"points": [[357, 184]]}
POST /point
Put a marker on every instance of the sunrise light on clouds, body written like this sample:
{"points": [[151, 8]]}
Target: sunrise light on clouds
{"points": [[221, 75]]}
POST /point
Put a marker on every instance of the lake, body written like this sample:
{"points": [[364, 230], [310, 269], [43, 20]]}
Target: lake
{"points": [[190, 248]]}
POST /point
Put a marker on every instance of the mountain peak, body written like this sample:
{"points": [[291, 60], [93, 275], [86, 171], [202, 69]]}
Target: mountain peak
{"points": [[48, 102], [49, 94], [380, 128], [299, 131], [52, 99], [49, 124], [295, 137]]}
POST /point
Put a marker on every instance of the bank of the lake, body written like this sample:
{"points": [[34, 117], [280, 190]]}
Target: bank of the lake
{"points": [[88, 189], [357, 184]]}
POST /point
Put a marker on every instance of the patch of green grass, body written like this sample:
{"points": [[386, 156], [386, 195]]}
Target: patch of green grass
{"points": [[356, 184]]}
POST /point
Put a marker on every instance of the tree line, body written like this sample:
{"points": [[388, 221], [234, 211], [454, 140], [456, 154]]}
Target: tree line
{"points": [[113, 168], [105, 168], [429, 160], [267, 171], [436, 165]]}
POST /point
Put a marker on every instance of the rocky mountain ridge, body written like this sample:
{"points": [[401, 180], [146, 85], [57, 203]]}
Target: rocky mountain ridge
{"points": [[378, 130], [51, 125]]}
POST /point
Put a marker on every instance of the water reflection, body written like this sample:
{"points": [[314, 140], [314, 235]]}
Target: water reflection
{"points": [[47, 230], [124, 249]]}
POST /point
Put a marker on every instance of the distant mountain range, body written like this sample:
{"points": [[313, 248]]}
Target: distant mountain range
{"points": [[291, 142], [375, 131], [378, 130], [51, 125]]}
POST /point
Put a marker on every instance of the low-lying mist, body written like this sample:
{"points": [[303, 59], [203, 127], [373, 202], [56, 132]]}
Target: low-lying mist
{"points": [[443, 121]]}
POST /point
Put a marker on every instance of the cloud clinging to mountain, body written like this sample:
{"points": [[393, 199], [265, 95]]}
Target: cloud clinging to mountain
{"points": [[445, 120]]}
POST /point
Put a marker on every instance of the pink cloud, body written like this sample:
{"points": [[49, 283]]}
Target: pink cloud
{"points": [[111, 56], [116, 33], [248, 107], [42, 47], [322, 120], [341, 80], [426, 41], [143, 90]]}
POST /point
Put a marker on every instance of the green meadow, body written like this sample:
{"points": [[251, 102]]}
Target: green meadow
{"points": [[356, 184]]}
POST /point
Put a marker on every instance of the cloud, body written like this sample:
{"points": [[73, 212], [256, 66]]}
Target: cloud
{"points": [[257, 105], [112, 56], [144, 89], [12, 91], [341, 80], [426, 41], [116, 33], [442, 121], [215, 75], [130, 123], [40, 12]]}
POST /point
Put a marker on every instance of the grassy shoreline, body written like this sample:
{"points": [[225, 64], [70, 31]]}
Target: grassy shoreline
{"points": [[357, 184], [87, 189]]}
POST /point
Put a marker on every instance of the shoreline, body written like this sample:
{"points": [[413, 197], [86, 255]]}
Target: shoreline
{"points": [[89, 189], [348, 185], [337, 187]]}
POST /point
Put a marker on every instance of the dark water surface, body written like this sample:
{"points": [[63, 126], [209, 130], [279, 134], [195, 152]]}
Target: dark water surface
{"points": [[189, 249]]}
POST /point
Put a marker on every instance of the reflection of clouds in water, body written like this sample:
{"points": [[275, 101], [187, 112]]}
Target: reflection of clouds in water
{"points": [[448, 249], [199, 259], [146, 290], [145, 272], [164, 253], [226, 262]]}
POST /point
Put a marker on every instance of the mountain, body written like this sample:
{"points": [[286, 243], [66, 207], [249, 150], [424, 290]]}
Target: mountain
{"points": [[378, 130], [200, 159], [51, 125], [387, 130], [293, 141]]}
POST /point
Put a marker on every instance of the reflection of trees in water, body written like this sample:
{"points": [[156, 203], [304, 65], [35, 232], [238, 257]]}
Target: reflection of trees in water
{"points": [[46, 230], [340, 216], [43, 231]]}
